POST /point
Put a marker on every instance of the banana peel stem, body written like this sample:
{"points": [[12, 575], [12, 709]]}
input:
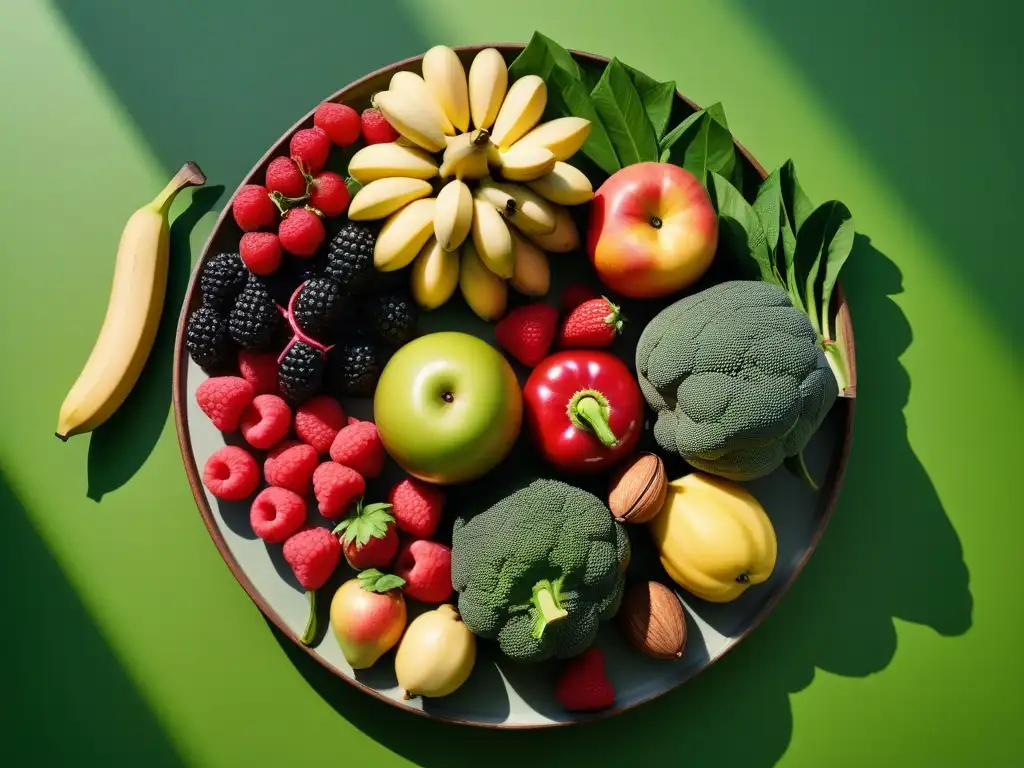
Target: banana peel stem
{"points": [[190, 175]]}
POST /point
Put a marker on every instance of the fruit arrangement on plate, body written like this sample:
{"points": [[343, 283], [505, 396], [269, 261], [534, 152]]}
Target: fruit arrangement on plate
{"points": [[509, 358]]}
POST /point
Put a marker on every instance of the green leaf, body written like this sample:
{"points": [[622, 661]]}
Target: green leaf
{"points": [[624, 117], [540, 57], [388, 582], [353, 186], [568, 96], [768, 207], [717, 111], [787, 234], [839, 249], [703, 145], [373, 580], [798, 205], [827, 233], [670, 138], [740, 230], [798, 467], [658, 98]]}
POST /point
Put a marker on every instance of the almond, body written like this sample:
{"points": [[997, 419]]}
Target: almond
{"points": [[653, 621], [638, 489]]}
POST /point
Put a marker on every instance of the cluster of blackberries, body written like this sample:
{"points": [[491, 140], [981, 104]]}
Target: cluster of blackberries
{"points": [[329, 316]]}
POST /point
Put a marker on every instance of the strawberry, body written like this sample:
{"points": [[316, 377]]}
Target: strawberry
{"points": [[527, 332], [369, 537], [592, 325], [583, 685]]}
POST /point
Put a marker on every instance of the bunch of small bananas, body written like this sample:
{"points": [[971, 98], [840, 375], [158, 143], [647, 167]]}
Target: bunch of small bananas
{"points": [[480, 238]]}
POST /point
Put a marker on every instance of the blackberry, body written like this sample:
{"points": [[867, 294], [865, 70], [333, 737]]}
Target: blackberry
{"points": [[353, 369], [255, 322], [393, 318], [208, 342], [301, 372], [291, 274], [221, 280], [350, 256], [318, 306]]}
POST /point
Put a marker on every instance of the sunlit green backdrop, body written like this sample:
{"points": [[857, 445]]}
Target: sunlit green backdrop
{"points": [[125, 640]]}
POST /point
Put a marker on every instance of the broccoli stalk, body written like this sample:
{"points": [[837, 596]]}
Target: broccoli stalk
{"points": [[547, 599]]}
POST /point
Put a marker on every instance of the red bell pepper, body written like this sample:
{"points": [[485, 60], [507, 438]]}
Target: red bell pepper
{"points": [[583, 410]]}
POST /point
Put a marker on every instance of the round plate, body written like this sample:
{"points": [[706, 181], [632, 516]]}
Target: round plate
{"points": [[501, 694]]}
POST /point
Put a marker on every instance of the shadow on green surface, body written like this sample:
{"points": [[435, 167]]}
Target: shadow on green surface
{"points": [[67, 698], [935, 98], [119, 448]]}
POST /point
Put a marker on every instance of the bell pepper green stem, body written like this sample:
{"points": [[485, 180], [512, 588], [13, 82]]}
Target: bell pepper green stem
{"points": [[547, 601], [593, 414], [310, 632]]}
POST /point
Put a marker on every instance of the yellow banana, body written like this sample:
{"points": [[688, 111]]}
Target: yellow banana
{"points": [[404, 235], [492, 240], [563, 136], [133, 314], [383, 161], [484, 292], [385, 196], [565, 185], [523, 106], [488, 84], [525, 163], [532, 275], [520, 205], [466, 156], [414, 117], [453, 214], [446, 78], [564, 238], [435, 275], [415, 87]]}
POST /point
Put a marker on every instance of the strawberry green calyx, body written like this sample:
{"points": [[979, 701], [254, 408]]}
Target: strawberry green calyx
{"points": [[373, 580], [367, 522], [614, 318]]}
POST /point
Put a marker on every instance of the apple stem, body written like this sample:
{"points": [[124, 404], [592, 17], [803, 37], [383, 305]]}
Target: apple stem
{"points": [[310, 632], [655, 222]]}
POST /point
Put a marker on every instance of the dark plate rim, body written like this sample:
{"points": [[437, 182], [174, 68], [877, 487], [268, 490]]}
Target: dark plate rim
{"points": [[179, 397]]}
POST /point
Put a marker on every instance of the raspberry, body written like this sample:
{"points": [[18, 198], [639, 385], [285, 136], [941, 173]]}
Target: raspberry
{"points": [[336, 488], [290, 465], [339, 121], [359, 447], [310, 148], [224, 399], [352, 420], [417, 507], [253, 209], [231, 473], [313, 555], [301, 231], [266, 421], [261, 252], [318, 421], [376, 128], [329, 194], [426, 567], [285, 178], [276, 514], [260, 370]]}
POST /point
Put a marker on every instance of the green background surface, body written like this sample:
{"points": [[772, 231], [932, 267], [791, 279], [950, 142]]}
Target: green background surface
{"points": [[125, 639]]}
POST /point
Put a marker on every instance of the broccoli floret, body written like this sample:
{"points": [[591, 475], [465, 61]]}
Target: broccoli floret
{"points": [[737, 377], [539, 570]]}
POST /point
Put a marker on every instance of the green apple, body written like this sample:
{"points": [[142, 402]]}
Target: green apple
{"points": [[448, 407]]}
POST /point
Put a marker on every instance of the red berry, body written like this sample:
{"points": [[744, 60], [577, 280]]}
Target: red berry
{"points": [[276, 514], [260, 252], [336, 488], [266, 421], [593, 324], [370, 538], [290, 464], [260, 370], [376, 128], [359, 447], [527, 332], [310, 147], [329, 194], [575, 294], [426, 567], [284, 176], [231, 473], [583, 685], [253, 209], [224, 399], [313, 555], [417, 507], [339, 121], [301, 231], [318, 421], [351, 420]]}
